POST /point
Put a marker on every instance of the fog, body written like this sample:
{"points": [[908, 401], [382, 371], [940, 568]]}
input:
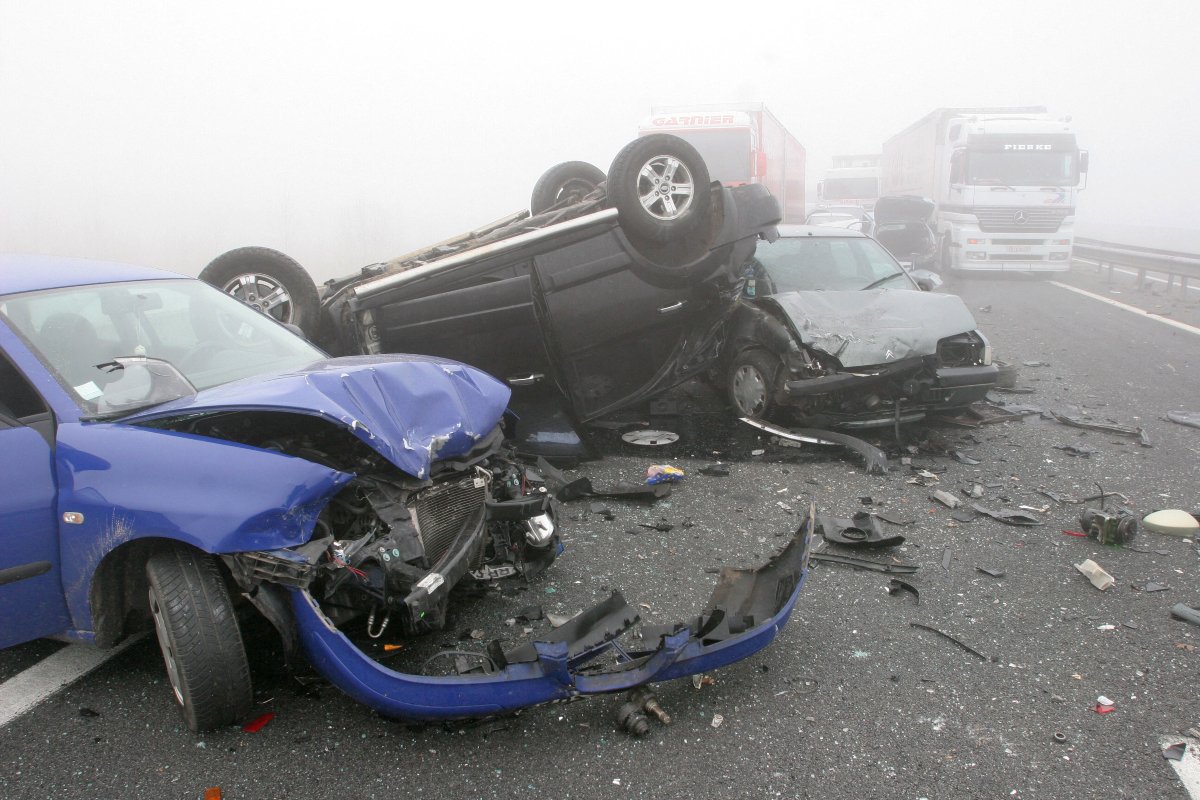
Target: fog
{"points": [[167, 133]]}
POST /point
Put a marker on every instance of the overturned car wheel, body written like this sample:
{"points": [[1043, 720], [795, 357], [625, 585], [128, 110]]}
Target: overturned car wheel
{"points": [[199, 637], [269, 281], [564, 184], [752, 384], [659, 186]]}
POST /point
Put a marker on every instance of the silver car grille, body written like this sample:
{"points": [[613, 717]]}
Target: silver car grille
{"points": [[1034, 219], [441, 512]]}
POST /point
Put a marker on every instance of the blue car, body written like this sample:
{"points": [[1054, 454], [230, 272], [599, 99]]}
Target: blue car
{"points": [[170, 454]]}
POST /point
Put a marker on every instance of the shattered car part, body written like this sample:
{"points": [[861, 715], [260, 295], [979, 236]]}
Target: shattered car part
{"points": [[864, 563], [1172, 522], [1007, 515], [876, 459], [945, 498], [1096, 574], [1106, 528], [861, 531], [896, 585], [834, 331], [1185, 613], [1076, 422], [1189, 418], [650, 438], [746, 611], [958, 642]]}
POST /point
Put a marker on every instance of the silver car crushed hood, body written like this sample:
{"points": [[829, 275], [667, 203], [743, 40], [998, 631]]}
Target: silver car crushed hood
{"points": [[877, 327]]}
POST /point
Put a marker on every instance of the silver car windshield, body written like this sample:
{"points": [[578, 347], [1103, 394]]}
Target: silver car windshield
{"points": [[206, 338], [813, 263]]}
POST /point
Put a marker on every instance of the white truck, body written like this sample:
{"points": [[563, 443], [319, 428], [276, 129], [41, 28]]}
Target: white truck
{"points": [[853, 180], [1003, 182], [741, 143]]}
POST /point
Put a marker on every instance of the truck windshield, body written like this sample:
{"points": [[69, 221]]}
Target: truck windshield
{"points": [[725, 151], [851, 188], [1022, 168]]}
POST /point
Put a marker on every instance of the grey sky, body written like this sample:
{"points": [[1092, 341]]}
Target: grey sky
{"points": [[217, 121]]}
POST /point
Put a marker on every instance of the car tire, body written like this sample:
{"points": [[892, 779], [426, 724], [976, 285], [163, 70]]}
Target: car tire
{"points": [[659, 185], [199, 638], [269, 281], [564, 184], [751, 383]]}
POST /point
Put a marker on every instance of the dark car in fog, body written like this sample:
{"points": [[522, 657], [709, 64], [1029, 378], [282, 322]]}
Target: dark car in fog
{"points": [[609, 290], [833, 332], [902, 226]]}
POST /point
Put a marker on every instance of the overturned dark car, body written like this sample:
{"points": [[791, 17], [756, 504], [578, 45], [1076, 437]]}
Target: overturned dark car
{"points": [[831, 331], [610, 289]]}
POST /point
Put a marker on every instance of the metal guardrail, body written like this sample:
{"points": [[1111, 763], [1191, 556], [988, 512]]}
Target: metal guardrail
{"points": [[1173, 264]]}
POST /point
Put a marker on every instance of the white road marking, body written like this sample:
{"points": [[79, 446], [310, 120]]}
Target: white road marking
{"points": [[51, 675], [1188, 767], [1183, 326]]}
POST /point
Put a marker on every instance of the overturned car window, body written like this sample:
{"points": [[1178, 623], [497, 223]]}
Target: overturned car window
{"points": [[207, 338], [810, 263]]}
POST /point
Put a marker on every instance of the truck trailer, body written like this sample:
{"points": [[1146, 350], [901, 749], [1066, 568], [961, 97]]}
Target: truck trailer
{"points": [[741, 143], [1003, 182]]}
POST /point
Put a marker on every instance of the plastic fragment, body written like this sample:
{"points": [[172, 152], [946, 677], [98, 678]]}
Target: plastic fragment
{"points": [[945, 498], [717, 720], [1172, 522], [213, 793], [1096, 574], [1175, 752], [258, 723], [995, 573], [663, 473]]}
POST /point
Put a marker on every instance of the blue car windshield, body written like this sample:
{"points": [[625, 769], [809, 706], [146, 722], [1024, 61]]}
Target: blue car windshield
{"points": [[208, 337]]}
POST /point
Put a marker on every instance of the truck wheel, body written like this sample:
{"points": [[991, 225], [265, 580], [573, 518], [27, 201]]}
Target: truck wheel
{"points": [[659, 186], [269, 281], [751, 383], [199, 637], [564, 184]]}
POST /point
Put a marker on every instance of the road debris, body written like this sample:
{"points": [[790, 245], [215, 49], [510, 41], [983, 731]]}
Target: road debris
{"points": [[1149, 586], [650, 438], [1185, 613], [1189, 418], [1104, 705], [876, 460], [862, 530], [631, 719], [1104, 427], [663, 473], [894, 518], [1172, 522], [896, 585], [645, 700], [1096, 574], [717, 720], [864, 563], [945, 635], [1060, 737], [1107, 528], [715, 470], [1175, 751], [995, 573], [946, 558], [1007, 515], [258, 723], [945, 498]]}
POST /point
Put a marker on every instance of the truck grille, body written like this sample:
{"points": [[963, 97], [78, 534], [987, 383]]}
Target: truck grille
{"points": [[1035, 220], [442, 511]]}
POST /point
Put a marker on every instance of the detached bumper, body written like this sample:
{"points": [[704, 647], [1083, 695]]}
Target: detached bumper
{"points": [[746, 611]]}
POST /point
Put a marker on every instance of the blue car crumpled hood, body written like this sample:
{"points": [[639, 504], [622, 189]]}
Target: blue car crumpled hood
{"points": [[412, 410]]}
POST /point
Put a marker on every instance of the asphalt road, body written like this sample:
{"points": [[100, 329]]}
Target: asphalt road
{"points": [[851, 701]]}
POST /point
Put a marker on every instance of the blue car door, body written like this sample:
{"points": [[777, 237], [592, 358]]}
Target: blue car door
{"points": [[31, 596]]}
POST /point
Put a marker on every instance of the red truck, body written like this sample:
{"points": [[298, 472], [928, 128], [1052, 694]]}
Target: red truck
{"points": [[741, 143]]}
